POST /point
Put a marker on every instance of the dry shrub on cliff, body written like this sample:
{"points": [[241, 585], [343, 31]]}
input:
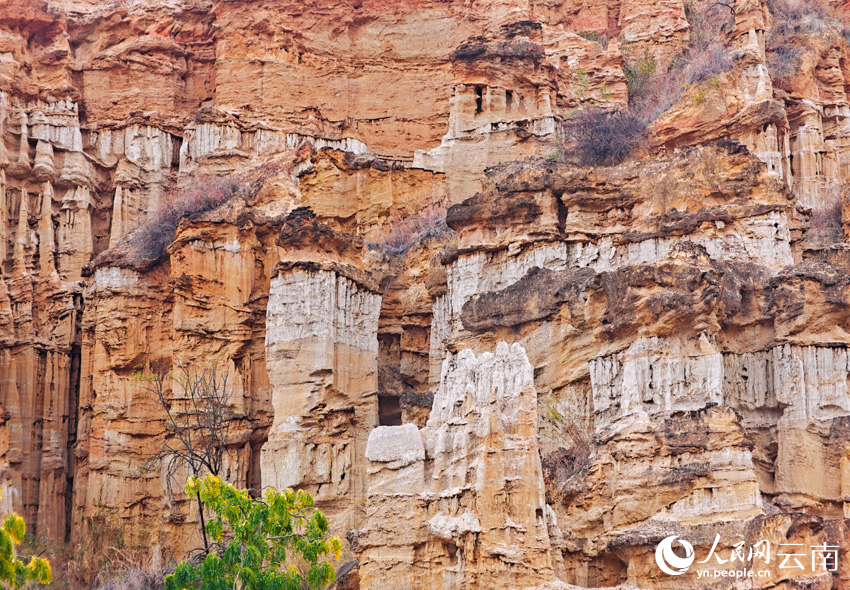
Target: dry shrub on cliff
{"points": [[139, 576], [605, 138], [783, 60], [808, 17], [707, 55], [403, 232], [572, 438], [203, 193], [708, 52], [602, 38], [106, 559], [793, 20], [825, 223]]}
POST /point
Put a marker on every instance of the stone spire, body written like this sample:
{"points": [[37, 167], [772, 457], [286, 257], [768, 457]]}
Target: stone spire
{"points": [[4, 113], [4, 223], [118, 222], [21, 166], [21, 237], [46, 241]]}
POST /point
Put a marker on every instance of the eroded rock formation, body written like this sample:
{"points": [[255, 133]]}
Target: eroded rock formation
{"points": [[461, 503], [492, 367]]}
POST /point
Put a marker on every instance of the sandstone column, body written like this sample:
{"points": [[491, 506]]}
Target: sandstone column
{"points": [[460, 504], [46, 241], [322, 362], [75, 237], [4, 224], [21, 237]]}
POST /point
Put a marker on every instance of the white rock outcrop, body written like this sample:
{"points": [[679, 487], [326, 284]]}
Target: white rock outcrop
{"points": [[321, 358], [472, 509]]}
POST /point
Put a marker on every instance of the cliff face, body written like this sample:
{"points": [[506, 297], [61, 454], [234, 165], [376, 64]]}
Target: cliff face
{"points": [[492, 367]]}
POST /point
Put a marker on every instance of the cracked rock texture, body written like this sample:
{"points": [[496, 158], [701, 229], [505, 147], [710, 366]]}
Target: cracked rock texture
{"points": [[461, 502], [492, 367]]}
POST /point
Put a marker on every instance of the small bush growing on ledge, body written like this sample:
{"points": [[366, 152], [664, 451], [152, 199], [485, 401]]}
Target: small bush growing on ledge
{"points": [[256, 537], [793, 18], [403, 232], [602, 137], [204, 193], [146, 244], [783, 60], [639, 71], [799, 16], [605, 138], [602, 38], [651, 91]]}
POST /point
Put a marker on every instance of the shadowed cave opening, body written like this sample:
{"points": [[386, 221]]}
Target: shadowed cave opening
{"points": [[390, 383], [389, 410]]}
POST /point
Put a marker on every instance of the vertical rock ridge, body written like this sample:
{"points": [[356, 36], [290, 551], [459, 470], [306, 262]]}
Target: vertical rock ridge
{"points": [[321, 355], [461, 503]]}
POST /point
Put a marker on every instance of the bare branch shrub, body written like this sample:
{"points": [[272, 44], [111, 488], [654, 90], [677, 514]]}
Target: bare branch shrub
{"points": [[203, 194], [825, 223], [597, 37], [708, 52], [707, 55], [105, 557], [783, 60], [130, 574], [605, 138], [403, 232], [793, 19], [197, 420]]}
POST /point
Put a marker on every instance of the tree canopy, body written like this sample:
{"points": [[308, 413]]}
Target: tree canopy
{"points": [[14, 572], [259, 541]]}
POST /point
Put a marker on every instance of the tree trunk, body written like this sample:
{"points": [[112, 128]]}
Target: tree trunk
{"points": [[203, 524]]}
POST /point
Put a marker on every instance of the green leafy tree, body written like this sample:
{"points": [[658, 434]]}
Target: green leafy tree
{"points": [[14, 573], [255, 539]]}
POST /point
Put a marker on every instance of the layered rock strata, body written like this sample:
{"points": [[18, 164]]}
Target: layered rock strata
{"points": [[530, 389], [321, 326], [709, 359]]}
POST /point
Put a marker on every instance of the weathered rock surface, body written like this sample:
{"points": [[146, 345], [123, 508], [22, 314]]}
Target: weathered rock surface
{"points": [[321, 326], [717, 355], [468, 487], [490, 367]]}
